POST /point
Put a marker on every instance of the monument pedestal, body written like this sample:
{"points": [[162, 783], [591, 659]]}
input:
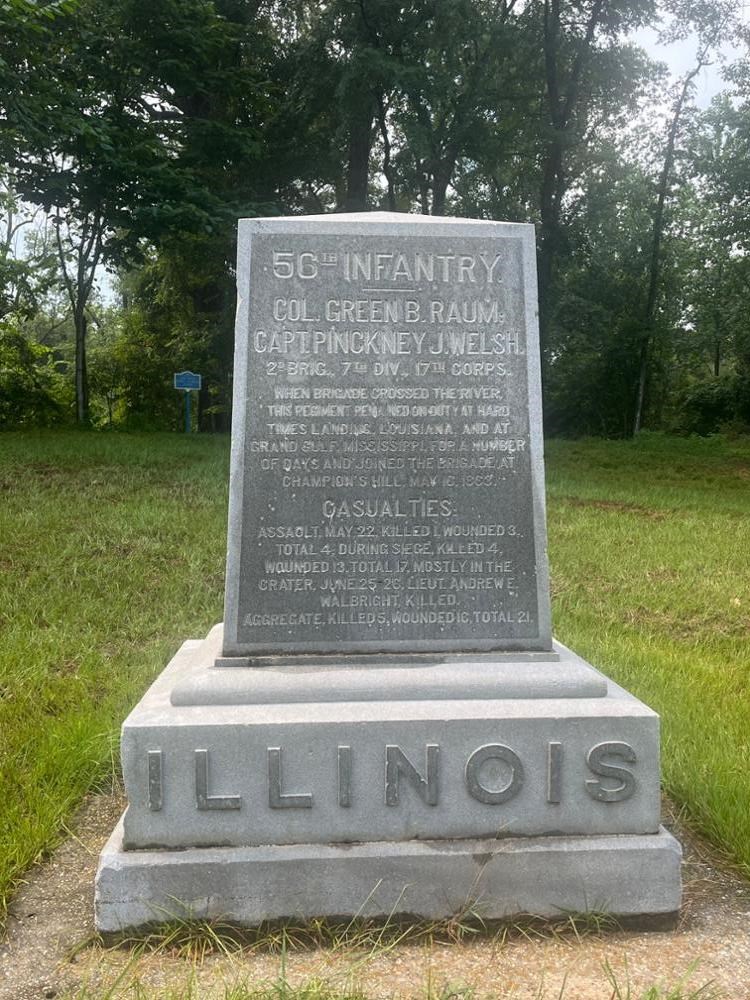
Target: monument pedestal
{"points": [[532, 790]]}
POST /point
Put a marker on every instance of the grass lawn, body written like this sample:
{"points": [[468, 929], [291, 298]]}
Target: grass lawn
{"points": [[112, 552], [650, 557]]}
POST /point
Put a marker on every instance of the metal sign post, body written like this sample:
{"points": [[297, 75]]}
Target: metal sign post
{"points": [[186, 382]]}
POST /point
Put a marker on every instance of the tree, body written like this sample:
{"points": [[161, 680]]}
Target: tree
{"points": [[712, 27], [32, 393], [593, 365], [26, 261], [713, 354], [136, 133], [575, 38], [158, 122], [71, 145], [463, 93]]}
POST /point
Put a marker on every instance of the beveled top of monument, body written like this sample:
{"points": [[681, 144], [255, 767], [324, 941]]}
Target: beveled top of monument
{"points": [[387, 482]]}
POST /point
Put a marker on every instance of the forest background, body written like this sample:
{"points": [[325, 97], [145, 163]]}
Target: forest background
{"points": [[134, 133]]}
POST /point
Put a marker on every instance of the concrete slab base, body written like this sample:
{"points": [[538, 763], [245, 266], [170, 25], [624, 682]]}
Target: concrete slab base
{"points": [[628, 876]]}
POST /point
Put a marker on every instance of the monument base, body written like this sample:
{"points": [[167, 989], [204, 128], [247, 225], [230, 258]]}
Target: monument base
{"points": [[523, 799], [635, 878]]}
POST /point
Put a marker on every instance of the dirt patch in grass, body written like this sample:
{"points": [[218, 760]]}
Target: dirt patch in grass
{"points": [[620, 506], [50, 949], [52, 911], [685, 627]]}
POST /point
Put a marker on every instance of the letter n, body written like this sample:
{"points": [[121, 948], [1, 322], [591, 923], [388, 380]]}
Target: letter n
{"points": [[398, 764]]}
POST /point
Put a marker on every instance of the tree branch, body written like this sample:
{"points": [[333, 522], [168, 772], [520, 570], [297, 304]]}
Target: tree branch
{"points": [[575, 77]]}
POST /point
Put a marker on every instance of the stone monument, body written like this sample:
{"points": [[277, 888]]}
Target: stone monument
{"points": [[384, 724]]}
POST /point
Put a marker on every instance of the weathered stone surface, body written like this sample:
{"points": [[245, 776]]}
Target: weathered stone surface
{"points": [[627, 876], [384, 677], [542, 779], [387, 485]]}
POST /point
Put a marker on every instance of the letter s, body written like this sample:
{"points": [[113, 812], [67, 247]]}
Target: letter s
{"points": [[595, 761]]}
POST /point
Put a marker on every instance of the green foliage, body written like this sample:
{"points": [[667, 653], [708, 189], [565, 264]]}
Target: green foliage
{"points": [[26, 259], [595, 329], [143, 130], [166, 328], [156, 123], [32, 393], [705, 407]]}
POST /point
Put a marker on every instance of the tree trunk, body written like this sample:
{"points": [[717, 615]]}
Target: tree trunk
{"points": [[654, 271], [553, 185], [441, 178], [358, 160], [718, 330], [564, 97], [82, 384], [86, 251], [388, 171], [424, 192]]}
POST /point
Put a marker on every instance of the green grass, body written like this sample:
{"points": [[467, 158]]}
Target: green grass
{"points": [[650, 557], [112, 552], [194, 940]]}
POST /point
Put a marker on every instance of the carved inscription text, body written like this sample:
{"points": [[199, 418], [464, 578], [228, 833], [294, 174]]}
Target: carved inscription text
{"points": [[387, 488]]}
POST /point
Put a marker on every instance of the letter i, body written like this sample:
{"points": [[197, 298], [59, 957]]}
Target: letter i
{"points": [[345, 776], [155, 781], [554, 772]]}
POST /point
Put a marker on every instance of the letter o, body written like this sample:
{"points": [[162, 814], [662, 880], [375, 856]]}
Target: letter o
{"points": [[480, 792]]}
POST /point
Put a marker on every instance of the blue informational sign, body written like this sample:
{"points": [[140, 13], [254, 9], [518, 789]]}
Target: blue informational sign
{"points": [[187, 380]]}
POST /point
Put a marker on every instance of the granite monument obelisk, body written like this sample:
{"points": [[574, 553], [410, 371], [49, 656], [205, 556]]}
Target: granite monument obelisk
{"points": [[384, 723]]}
